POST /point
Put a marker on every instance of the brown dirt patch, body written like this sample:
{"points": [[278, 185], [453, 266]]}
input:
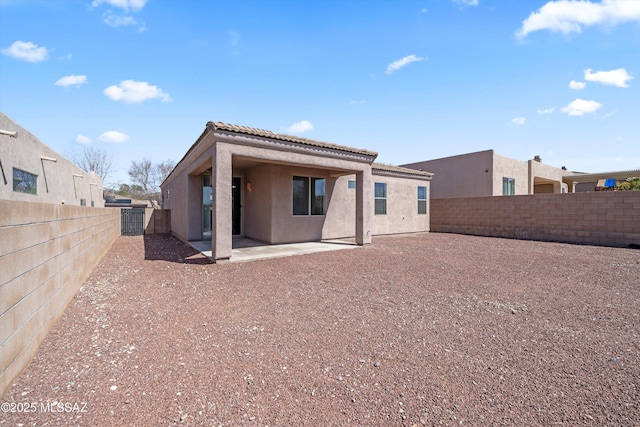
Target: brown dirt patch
{"points": [[429, 329]]}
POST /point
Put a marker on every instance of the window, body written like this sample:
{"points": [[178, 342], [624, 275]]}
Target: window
{"points": [[351, 184], [422, 200], [83, 202], [380, 198], [25, 182], [508, 186], [309, 195]]}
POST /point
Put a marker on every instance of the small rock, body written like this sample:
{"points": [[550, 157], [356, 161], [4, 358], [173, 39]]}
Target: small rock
{"points": [[376, 364], [114, 387], [613, 359]]}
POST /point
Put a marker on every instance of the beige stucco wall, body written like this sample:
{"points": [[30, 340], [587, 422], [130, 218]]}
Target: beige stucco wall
{"points": [[47, 251], [540, 174], [504, 167], [601, 218], [56, 182], [466, 175], [402, 207], [257, 206], [480, 174]]}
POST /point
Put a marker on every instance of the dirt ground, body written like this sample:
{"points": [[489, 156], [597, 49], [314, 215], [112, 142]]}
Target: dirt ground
{"points": [[427, 329]]}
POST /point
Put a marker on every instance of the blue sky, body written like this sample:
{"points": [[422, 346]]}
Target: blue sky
{"points": [[412, 80]]}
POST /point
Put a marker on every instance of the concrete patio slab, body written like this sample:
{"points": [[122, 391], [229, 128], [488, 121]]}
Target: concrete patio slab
{"points": [[244, 249]]}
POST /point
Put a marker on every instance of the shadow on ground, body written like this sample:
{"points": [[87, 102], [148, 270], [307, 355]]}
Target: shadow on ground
{"points": [[165, 247]]}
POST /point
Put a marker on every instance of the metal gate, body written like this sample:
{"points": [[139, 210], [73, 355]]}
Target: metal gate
{"points": [[132, 222]]}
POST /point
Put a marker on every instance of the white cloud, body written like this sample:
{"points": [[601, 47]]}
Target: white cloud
{"points": [[83, 139], [300, 127], [424, 10], [577, 85], [134, 5], [617, 77], [580, 107], [27, 51], [114, 136], [71, 80], [396, 65], [118, 21], [547, 111], [135, 92], [571, 16], [519, 121], [467, 2]]}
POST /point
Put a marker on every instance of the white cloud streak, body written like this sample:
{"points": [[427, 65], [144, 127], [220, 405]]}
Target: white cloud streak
{"points": [[566, 16], [547, 111], [300, 127], [580, 107], [134, 92], [118, 21], [83, 139], [71, 80], [114, 136], [575, 85], [518, 121], [27, 51], [396, 65], [126, 5], [467, 2], [617, 77]]}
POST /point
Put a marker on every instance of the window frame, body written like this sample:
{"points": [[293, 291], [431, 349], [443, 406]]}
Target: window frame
{"points": [[310, 196], [32, 182], [422, 201], [508, 186], [380, 198]]}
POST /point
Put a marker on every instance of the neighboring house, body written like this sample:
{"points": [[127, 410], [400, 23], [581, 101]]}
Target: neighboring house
{"points": [[486, 173], [31, 171], [276, 188], [582, 182]]}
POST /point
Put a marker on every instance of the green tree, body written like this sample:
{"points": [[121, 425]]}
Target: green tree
{"points": [[630, 184]]}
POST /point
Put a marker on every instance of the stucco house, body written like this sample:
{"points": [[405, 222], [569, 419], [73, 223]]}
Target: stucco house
{"points": [[485, 173], [30, 171], [275, 188]]}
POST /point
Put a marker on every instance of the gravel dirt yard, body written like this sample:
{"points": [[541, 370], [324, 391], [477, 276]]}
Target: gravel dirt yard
{"points": [[426, 329]]}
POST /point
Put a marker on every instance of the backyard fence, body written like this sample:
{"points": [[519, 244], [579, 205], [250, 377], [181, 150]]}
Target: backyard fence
{"points": [[609, 218]]}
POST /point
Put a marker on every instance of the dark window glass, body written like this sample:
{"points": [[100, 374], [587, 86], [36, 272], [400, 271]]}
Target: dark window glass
{"points": [[318, 190], [380, 198], [25, 182], [300, 195]]}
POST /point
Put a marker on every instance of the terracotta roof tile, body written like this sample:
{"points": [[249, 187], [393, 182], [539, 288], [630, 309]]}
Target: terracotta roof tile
{"points": [[400, 170], [282, 137]]}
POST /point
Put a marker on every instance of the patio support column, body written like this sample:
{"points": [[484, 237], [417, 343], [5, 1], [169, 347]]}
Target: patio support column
{"points": [[364, 206], [221, 240]]}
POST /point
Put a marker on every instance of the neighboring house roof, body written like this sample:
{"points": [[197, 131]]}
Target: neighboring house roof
{"points": [[382, 169], [282, 137], [594, 177]]}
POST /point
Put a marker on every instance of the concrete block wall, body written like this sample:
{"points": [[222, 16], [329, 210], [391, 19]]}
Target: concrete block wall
{"points": [[47, 251], [599, 218], [157, 221]]}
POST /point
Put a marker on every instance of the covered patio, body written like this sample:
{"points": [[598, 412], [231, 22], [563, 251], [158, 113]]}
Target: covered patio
{"points": [[244, 249]]}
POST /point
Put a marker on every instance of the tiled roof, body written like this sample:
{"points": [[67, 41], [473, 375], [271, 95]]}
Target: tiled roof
{"points": [[399, 170], [282, 137]]}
